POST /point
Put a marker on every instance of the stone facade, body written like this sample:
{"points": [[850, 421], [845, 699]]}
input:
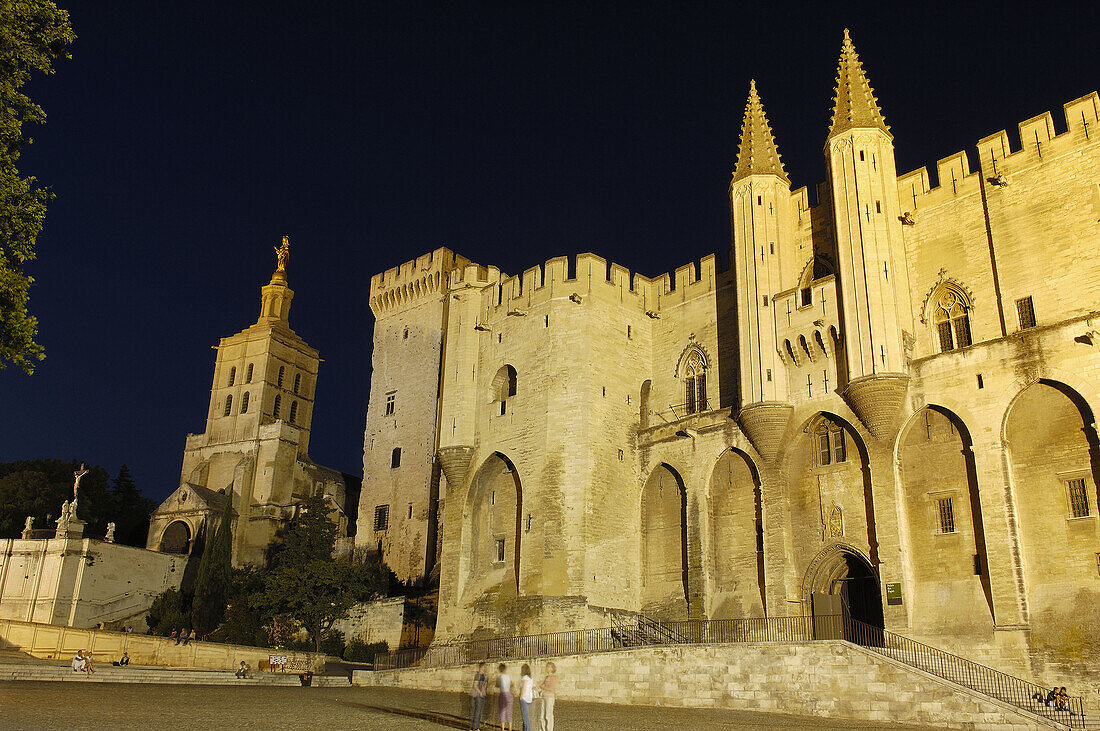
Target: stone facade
{"points": [[256, 444], [887, 401]]}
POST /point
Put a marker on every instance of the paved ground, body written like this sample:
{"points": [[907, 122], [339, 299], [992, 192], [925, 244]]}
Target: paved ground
{"points": [[31, 705]]}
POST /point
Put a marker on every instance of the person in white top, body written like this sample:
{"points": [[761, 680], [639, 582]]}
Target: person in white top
{"points": [[548, 686], [504, 700], [526, 695], [79, 663]]}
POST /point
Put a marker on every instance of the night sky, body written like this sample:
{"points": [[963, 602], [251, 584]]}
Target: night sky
{"points": [[184, 139]]}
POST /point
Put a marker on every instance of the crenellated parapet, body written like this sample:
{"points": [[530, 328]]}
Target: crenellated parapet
{"points": [[588, 275], [407, 283], [997, 161]]}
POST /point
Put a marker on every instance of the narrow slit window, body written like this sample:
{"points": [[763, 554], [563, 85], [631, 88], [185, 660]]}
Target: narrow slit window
{"points": [[395, 458], [275, 408], [232, 375], [282, 373], [248, 374], [293, 412], [297, 382], [244, 403], [228, 405], [500, 550]]}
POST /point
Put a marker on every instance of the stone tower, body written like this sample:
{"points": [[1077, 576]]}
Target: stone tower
{"points": [[761, 254], [256, 442], [874, 295]]}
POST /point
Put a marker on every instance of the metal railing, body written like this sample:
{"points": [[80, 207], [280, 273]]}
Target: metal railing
{"points": [[993, 683]]}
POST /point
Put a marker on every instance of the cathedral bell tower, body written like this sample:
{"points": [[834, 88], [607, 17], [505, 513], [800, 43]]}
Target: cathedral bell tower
{"points": [[759, 211], [874, 287]]}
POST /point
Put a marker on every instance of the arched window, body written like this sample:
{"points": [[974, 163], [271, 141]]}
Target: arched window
{"points": [[232, 376], [831, 448], [297, 382], [952, 320], [244, 403], [504, 386], [293, 411], [248, 374], [282, 372], [228, 405], [694, 374], [278, 402]]}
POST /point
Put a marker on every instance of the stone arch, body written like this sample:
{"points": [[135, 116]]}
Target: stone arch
{"points": [[938, 486], [692, 369], [842, 577], [505, 385], [492, 514], [1053, 464], [664, 560], [176, 538], [736, 537]]}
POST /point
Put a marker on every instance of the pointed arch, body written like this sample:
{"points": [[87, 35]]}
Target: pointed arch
{"points": [[736, 537], [664, 560], [692, 369]]}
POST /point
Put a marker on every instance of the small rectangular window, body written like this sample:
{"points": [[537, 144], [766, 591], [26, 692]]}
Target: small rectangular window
{"points": [[946, 514], [395, 458], [621, 455], [824, 453], [528, 526], [759, 201], [981, 383], [500, 337], [547, 321], [1026, 311], [1078, 498], [410, 511], [878, 206], [769, 374], [807, 297], [503, 407], [772, 246], [861, 155], [382, 517], [977, 564], [765, 300], [628, 332], [391, 403], [500, 550], [840, 451]]}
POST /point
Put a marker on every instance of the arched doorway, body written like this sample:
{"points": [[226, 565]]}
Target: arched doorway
{"points": [[841, 580], [491, 531], [176, 538]]}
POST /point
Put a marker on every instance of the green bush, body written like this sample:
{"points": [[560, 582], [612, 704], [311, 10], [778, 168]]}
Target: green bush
{"points": [[359, 651]]}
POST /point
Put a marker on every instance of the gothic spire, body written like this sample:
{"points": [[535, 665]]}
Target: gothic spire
{"points": [[757, 154], [855, 104]]}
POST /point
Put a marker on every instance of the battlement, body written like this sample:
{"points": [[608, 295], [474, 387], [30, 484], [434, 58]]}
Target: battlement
{"points": [[1038, 142], [413, 279], [592, 275]]}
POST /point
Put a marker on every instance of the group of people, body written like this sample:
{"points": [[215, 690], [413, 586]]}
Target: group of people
{"points": [[526, 694], [82, 662], [1056, 698], [181, 637]]}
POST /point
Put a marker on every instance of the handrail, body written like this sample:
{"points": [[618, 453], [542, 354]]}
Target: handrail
{"points": [[993, 683]]}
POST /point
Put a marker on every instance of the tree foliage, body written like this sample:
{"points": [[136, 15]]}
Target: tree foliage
{"points": [[39, 487], [33, 34], [212, 582]]}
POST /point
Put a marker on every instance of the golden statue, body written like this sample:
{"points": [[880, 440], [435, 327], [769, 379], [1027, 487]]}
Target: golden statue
{"points": [[282, 254]]}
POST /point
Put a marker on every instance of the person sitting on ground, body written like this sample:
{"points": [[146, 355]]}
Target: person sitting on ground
{"points": [[124, 660], [244, 671], [1061, 702], [1052, 697], [79, 663], [88, 663]]}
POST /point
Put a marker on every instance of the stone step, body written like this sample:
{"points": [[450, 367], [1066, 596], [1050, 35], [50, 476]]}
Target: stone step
{"points": [[112, 674]]}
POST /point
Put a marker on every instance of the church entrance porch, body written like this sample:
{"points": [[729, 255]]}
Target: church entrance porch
{"points": [[842, 581]]}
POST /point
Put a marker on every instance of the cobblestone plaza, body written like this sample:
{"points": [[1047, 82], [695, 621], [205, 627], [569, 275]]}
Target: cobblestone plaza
{"points": [[33, 705]]}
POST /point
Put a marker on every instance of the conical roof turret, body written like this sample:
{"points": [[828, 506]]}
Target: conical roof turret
{"points": [[757, 154], [854, 105]]}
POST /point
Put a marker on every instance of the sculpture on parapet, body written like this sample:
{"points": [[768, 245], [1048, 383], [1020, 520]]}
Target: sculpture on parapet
{"points": [[63, 521], [282, 255], [77, 476], [28, 527], [110, 537]]}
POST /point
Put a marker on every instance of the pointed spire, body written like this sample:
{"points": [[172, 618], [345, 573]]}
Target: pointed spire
{"points": [[757, 154], [854, 104]]}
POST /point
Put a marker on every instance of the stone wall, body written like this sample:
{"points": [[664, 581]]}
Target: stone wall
{"points": [[823, 679], [377, 621], [61, 643]]}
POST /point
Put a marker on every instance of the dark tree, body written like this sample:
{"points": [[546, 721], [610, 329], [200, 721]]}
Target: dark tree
{"points": [[212, 582], [33, 34], [131, 510]]}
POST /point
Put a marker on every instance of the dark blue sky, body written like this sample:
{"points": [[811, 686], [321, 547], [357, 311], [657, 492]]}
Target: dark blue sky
{"points": [[185, 138]]}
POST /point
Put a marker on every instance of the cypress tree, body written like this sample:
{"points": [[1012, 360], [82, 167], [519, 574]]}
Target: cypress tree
{"points": [[212, 583]]}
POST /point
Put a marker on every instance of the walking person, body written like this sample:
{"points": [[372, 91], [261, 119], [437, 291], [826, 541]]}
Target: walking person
{"points": [[478, 690], [526, 695], [548, 687], [504, 700]]}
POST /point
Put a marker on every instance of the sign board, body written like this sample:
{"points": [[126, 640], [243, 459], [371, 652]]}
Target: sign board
{"points": [[277, 662], [893, 594]]}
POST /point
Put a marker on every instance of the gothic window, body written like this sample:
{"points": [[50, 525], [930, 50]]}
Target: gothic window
{"points": [[228, 405], [694, 374], [232, 375], [831, 448], [282, 372], [275, 410], [293, 411], [297, 382], [248, 374], [952, 320], [244, 403]]}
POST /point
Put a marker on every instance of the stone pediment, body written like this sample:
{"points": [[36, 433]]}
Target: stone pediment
{"points": [[188, 498]]}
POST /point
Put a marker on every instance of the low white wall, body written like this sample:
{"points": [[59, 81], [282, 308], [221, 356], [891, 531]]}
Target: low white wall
{"points": [[829, 679], [377, 621]]}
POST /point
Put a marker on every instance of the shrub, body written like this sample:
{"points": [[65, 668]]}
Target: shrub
{"points": [[359, 651]]}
